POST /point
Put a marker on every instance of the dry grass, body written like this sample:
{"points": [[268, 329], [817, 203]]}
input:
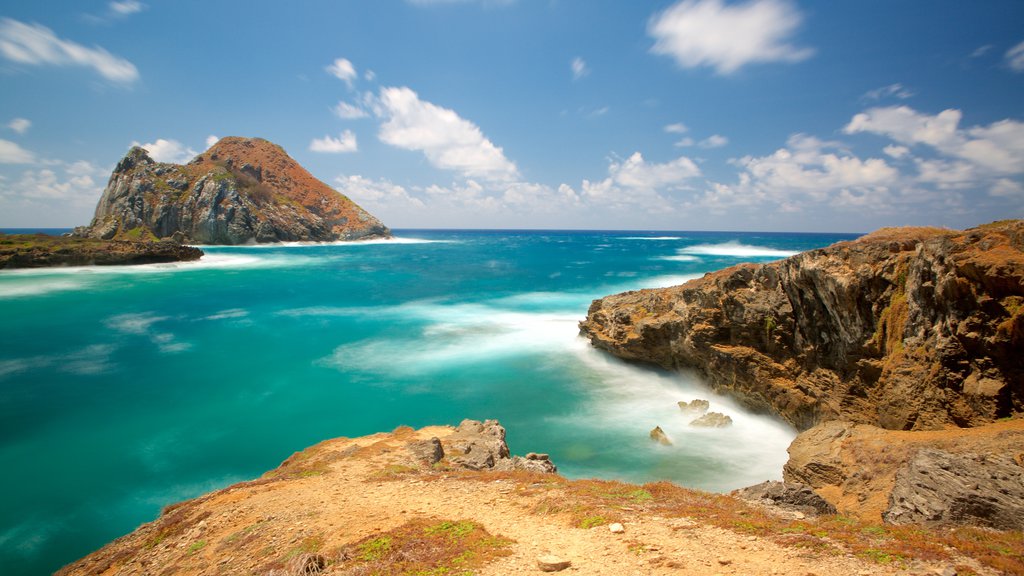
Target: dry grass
{"points": [[423, 548]]}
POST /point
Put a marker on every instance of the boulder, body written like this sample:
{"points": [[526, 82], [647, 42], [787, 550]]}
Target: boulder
{"points": [[712, 420], [481, 446], [940, 488], [659, 436], [429, 451], [791, 497], [694, 407]]}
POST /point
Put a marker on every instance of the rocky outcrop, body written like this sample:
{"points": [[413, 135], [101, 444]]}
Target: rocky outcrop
{"points": [[658, 435], [797, 499], [905, 329], [40, 250], [712, 420], [239, 191], [938, 487], [951, 476], [481, 446]]}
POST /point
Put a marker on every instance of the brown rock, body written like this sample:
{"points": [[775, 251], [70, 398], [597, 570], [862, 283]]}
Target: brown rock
{"points": [[551, 563], [712, 420], [912, 328], [659, 436]]}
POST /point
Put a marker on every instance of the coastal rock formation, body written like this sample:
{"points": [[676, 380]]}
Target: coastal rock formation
{"points": [[481, 446], [659, 436], [712, 420], [905, 329], [41, 250], [375, 505], [795, 498], [951, 476], [241, 190]]}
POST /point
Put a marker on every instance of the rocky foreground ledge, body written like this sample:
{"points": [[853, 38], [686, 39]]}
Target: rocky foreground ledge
{"points": [[41, 250], [452, 500], [905, 329]]}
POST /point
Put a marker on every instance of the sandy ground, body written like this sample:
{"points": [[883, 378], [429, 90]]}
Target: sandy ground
{"points": [[344, 490]]}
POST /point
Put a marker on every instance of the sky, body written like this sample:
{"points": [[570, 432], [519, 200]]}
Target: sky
{"points": [[747, 115]]}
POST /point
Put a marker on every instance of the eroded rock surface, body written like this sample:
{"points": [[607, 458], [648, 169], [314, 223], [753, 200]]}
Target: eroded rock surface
{"points": [[911, 328], [241, 190]]}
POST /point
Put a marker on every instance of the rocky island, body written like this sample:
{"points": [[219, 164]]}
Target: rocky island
{"points": [[240, 191], [41, 250], [892, 352]]}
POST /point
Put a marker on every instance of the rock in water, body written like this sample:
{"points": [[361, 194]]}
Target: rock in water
{"points": [[695, 407], [239, 191], [906, 329], [659, 436], [937, 487], [712, 420]]}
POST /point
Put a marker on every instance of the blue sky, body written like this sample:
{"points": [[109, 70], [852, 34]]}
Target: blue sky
{"points": [[845, 115]]}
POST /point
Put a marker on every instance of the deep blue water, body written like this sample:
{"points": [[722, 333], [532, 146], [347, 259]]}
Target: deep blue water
{"points": [[123, 389]]}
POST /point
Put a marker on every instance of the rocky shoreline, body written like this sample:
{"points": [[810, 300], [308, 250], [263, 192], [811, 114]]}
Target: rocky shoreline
{"points": [[906, 329], [41, 250]]}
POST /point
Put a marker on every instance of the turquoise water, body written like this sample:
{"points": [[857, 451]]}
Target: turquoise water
{"points": [[128, 388]]}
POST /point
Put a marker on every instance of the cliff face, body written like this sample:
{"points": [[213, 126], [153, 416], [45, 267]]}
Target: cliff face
{"points": [[40, 250], [903, 329], [239, 191]]}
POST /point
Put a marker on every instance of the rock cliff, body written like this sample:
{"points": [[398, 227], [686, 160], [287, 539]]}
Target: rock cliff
{"points": [[241, 190], [905, 329]]}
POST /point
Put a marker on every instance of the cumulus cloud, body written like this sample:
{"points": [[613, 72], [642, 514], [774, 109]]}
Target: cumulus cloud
{"points": [[1015, 58], [346, 142], [637, 183], [376, 195], [713, 141], [350, 111], [168, 151], [807, 170], [727, 37], [20, 125], [211, 140], [997, 148], [12, 153], [37, 45], [75, 183], [449, 141], [343, 69], [579, 68], [677, 128]]}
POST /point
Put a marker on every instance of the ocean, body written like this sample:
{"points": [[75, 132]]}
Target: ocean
{"points": [[124, 389]]}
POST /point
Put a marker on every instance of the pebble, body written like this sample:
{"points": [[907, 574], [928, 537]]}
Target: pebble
{"points": [[552, 563], [724, 561], [616, 528]]}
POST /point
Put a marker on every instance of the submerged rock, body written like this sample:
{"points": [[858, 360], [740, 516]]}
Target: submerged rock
{"points": [[659, 436], [694, 407], [712, 420]]}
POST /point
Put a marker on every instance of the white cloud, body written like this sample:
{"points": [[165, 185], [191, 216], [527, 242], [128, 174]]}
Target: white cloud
{"points": [[638, 183], [377, 195], [684, 142], [981, 50], [727, 37], [892, 90], [350, 111], [896, 152], [11, 153], [211, 140], [20, 125], [677, 128], [449, 141], [579, 68], [1007, 187], [79, 185], [37, 45], [997, 148], [346, 142], [168, 151], [343, 69], [713, 141], [126, 7], [807, 171], [1015, 58]]}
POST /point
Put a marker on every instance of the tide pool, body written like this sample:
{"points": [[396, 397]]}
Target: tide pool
{"points": [[124, 389]]}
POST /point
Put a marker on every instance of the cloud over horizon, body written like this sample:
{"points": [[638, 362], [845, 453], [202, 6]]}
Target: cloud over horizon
{"points": [[36, 45]]}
